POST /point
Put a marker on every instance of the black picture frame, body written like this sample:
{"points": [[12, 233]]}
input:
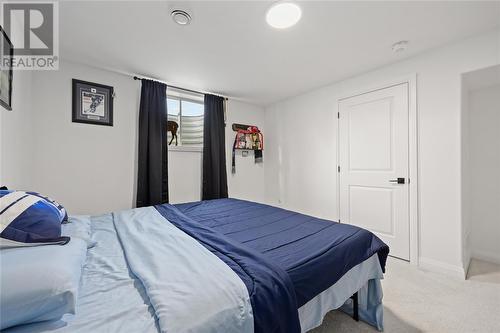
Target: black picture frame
{"points": [[92, 103], [6, 48]]}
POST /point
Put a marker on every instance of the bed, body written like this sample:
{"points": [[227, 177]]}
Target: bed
{"points": [[222, 266]]}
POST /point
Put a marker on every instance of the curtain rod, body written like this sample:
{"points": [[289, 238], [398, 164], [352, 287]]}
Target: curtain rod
{"points": [[179, 88]]}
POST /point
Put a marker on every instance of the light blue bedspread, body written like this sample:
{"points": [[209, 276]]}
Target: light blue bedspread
{"points": [[190, 288]]}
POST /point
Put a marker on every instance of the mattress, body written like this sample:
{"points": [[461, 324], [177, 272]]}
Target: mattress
{"points": [[314, 252]]}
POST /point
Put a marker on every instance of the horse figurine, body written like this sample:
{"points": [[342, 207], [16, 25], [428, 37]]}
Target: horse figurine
{"points": [[172, 127]]}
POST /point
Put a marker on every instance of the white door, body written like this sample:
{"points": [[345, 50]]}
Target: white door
{"points": [[373, 161]]}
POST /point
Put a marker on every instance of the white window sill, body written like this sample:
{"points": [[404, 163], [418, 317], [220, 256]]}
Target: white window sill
{"points": [[185, 149]]}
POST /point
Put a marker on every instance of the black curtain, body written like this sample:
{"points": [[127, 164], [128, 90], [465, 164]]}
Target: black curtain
{"points": [[152, 179], [214, 149]]}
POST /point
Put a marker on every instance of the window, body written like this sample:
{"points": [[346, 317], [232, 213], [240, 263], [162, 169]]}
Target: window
{"points": [[187, 112]]}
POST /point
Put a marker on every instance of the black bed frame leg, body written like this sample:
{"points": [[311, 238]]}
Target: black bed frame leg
{"points": [[355, 306]]}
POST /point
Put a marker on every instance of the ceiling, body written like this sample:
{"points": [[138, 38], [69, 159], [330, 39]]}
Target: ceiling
{"points": [[229, 49]]}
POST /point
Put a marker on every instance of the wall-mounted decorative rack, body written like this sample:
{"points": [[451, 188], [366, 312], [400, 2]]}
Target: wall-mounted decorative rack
{"points": [[248, 137]]}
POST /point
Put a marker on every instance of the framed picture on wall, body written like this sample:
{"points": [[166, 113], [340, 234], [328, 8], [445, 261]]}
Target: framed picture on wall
{"points": [[6, 55], [92, 103]]}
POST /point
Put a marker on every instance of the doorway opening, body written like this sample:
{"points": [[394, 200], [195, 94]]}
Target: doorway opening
{"points": [[480, 145]]}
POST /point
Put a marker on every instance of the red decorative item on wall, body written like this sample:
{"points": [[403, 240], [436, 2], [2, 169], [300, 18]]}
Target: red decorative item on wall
{"points": [[247, 138]]}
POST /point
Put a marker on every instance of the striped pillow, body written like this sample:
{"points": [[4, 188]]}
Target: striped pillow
{"points": [[29, 219]]}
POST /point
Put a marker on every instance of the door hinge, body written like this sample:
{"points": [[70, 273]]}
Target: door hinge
{"points": [[338, 168], [338, 115]]}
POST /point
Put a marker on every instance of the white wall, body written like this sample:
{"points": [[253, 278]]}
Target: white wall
{"points": [[16, 137], [301, 154], [92, 169], [249, 180], [483, 173], [301, 145], [16, 126], [184, 176]]}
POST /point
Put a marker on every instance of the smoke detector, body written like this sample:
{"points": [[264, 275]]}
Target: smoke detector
{"points": [[181, 17], [400, 46]]}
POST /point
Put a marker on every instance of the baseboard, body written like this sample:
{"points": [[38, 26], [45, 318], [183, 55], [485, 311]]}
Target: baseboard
{"points": [[486, 256], [442, 267]]}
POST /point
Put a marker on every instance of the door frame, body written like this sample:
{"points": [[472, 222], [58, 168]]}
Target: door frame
{"points": [[413, 162]]}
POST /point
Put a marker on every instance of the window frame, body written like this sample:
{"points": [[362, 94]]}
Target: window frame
{"points": [[182, 148]]}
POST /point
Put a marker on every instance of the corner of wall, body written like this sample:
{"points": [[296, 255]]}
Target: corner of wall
{"points": [[464, 167], [428, 264]]}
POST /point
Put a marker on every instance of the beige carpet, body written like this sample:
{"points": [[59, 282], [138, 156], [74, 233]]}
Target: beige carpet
{"points": [[420, 301]]}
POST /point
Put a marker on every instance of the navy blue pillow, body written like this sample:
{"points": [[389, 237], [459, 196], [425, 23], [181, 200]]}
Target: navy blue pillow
{"points": [[29, 219]]}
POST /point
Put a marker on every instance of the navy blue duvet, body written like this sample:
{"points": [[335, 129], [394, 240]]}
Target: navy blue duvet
{"points": [[270, 289], [314, 253]]}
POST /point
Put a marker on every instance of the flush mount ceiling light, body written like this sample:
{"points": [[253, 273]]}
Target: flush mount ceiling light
{"points": [[400, 46], [181, 17], [283, 15]]}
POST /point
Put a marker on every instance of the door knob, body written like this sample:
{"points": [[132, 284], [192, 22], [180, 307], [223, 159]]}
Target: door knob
{"points": [[398, 181]]}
